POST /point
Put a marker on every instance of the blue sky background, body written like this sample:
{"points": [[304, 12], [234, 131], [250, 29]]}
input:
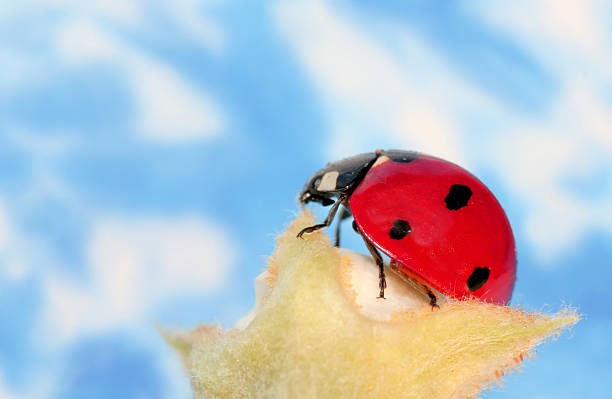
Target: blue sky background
{"points": [[151, 151]]}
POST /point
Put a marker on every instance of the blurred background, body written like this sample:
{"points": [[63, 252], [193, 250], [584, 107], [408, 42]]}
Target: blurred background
{"points": [[151, 151]]}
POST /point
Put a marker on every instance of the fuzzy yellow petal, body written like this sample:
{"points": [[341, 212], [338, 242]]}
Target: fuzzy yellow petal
{"points": [[310, 339]]}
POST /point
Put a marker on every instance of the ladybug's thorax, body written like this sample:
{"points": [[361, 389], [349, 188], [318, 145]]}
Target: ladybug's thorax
{"points": [[336, 179]]}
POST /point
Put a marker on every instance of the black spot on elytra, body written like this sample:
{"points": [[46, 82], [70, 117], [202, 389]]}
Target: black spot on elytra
{"points": [[400, 229], [458, 197], [478, 278]]}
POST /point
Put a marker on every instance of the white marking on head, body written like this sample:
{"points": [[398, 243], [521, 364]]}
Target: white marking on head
{"points": [[328, 181], [380, 160]]}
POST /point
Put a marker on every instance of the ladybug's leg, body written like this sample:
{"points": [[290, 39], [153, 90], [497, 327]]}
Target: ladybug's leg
{"points": [[326, 222], [382, 282], [433, 299], [343, 214], [417, 284]]}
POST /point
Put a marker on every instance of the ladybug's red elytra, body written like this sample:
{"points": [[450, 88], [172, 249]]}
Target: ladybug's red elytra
{"points": [[438, 223]]}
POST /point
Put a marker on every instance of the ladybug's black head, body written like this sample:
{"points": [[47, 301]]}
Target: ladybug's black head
{"points": [[336, 179], [307, 197], [311, 193]]}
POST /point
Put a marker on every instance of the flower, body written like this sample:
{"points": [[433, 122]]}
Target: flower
{"points": [[315, 333]]}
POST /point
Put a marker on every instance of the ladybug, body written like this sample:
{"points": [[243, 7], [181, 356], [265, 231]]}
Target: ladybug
{"points": [[441, 227]]}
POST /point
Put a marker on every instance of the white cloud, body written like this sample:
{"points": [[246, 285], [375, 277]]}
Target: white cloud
{"points": [[36, 146], [5, 230], [124, 11], [370, 91], [538, 161], [190, 16], [12, 266], [133, 266], [129, 11], [570, 37], [19, 68], [578, 24], [189, 254], [592, 115], [169, 108], [68, 308], [81, 41], [16, 269]]}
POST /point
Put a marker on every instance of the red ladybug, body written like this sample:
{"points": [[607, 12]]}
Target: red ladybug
{"points": [[438, 223]]}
